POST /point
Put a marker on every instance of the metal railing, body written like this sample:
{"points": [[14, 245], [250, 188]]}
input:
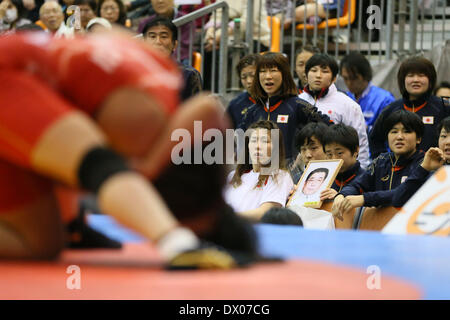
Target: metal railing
{"points": [[399, 28], [223, 46]]}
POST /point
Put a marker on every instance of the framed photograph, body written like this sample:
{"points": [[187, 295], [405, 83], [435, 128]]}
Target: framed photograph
{"points": [[318, 175]]}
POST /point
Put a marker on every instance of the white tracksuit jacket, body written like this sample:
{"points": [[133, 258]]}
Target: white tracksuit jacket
{"points": [[342, 109]]}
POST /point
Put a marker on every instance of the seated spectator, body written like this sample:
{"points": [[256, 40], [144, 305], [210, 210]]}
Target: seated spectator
{"points": [[443, 90], [112, 10], [12, 15], [403, 130], [32, 7], [307, 11], [357, 74], [162, 34], [416, 79], [98, 25], [167, 9], [88, 9], [433, 160], [321, 71], [341, 142], [238, 106], [309, 141], [276, 99], [302, 57], [52, 16], [251, 192]]}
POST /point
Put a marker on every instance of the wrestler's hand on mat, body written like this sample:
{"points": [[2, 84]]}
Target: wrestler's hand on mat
{"points": [[211, 256]]}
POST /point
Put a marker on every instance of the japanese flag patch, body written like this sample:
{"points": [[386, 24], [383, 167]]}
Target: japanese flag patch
{"points": [[428, 120], [282, 118]]}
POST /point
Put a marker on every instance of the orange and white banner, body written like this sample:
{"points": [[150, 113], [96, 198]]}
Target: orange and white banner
{"points": [[428, 210]]}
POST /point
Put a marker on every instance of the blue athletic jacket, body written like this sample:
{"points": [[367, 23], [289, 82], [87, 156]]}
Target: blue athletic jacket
{"points": [[372, 102], [238, 108], [385, 174]]}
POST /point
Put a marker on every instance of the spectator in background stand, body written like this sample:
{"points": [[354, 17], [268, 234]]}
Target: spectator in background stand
{"points": [[88, 9], [112, 10], [12, 15], [357, 74], [321, 71], [416, 79], [162, 34], [307, 11], [238, 106], [302, 57], [167, 9], [443, 90], [32, 7], [52, 16]]}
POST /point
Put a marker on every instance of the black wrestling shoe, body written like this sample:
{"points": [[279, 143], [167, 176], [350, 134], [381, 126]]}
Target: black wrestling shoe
{"points": [[81, 236]]}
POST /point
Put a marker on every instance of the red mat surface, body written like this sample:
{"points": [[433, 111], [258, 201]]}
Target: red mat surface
{"points": [[135, 273]]}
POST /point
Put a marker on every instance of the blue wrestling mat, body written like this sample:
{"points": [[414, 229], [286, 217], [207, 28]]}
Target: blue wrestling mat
{"points": [[423, 261]]}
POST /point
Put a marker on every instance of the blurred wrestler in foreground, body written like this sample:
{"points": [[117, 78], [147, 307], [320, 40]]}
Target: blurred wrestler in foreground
{"points": [[97, 114]]}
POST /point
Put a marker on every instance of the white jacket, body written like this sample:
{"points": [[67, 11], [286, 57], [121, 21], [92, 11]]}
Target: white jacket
{"points": [[342, 109]]}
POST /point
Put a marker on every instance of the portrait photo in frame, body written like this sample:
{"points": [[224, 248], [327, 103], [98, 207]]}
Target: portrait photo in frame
{"points": [[318, 175]]}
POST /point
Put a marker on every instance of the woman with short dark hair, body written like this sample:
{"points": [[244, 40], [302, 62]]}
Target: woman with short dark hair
{"points": [[403, 131], [416, 80], [112, 10]]}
